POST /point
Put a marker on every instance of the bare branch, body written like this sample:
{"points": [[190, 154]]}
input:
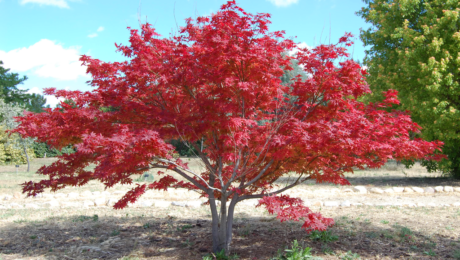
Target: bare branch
{"points": [[181, 171], [259, 175], [259, 196]]}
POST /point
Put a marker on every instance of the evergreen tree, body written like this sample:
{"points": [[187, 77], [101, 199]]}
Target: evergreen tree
{"points": [[9, 82], [10, 93]]}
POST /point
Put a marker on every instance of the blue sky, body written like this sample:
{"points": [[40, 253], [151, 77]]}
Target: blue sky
{"points": [[43, 39]]}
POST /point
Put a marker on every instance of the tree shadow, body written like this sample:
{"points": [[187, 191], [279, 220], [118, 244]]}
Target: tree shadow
{"points": [[94, 237]]}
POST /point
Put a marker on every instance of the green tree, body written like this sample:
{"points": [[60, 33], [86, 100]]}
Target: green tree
{"points": [[415, 49], [9, 82], [290, 74], [10, 93], [42, 150], [13, 142], [36, 103]]}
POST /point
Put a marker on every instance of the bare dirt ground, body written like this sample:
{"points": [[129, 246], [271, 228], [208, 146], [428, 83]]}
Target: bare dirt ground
{"points": [[370, 232]]}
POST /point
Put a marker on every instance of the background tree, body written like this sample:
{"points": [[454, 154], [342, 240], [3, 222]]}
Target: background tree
{"points": [[10, 93], [9, 82], [289, 74], [218, 81], [415, 49], [42, 150], [36, 103], [13, 143]]}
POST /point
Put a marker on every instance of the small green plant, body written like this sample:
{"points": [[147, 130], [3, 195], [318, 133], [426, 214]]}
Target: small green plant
{"points": [[371, 234], [350, 256], [295, 253], [384, 221], [428, 244], [323, 236], [220, 256], [83, 218], [457, 254], [405, 233], [33, 237], [146, 225], [187, 243], [327, 250], [387, 234], [184, 227], [430, 253], [115, 233]]}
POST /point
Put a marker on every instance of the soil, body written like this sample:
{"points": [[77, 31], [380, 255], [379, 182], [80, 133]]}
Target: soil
{"points": [[370, 232]]}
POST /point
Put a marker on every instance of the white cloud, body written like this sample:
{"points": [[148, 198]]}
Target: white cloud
{"points": [[100, 29], [300, 45], [58, 3], [50, 100], [46, 59], [283, 3]]}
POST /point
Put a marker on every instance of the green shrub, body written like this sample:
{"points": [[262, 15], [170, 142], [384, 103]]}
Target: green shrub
{"points": [[323, 236], [220, 256], [12, 154], [183, 149], [42, 149], [457, 254], [295, 253]]}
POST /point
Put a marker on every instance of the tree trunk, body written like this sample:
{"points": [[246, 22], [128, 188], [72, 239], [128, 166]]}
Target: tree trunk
{"points": [[222, 224], [27, 157]]}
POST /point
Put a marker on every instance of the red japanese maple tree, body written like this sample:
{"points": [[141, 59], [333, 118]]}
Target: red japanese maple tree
{"points": [[218, 81]]}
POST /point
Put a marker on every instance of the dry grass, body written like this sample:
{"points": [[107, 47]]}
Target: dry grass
{"points": [[184, 233], [389, 175], [10, 180]]}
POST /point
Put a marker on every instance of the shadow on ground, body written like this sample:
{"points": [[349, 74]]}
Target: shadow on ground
{"points": [[94, 237]]}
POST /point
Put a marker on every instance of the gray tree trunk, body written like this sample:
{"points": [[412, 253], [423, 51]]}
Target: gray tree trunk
{"points": [[222, 224], [27, 156]]}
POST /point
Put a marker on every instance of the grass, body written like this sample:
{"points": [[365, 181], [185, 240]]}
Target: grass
{"points": [[296, 252], [457, 254], [10, 181], [183, 233], [220, 256], [187, 237], [350, 256], [323, 236]]}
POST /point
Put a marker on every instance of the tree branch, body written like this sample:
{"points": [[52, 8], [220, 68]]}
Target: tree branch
{"points": [[259, 196], [183, 174]]}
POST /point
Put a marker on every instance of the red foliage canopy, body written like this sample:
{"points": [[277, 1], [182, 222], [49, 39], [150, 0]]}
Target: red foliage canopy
{"points": [[218, 81]]}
